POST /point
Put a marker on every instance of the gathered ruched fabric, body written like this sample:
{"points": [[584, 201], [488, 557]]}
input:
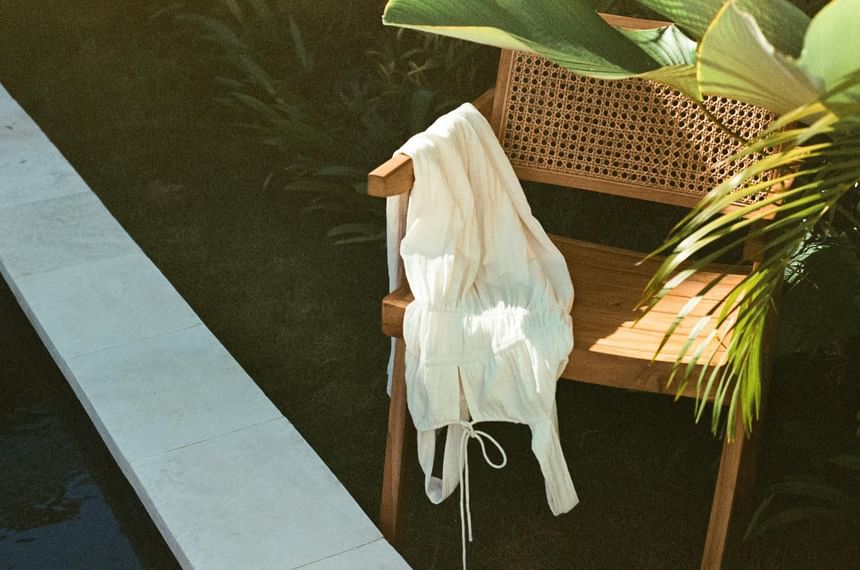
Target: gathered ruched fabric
{"points": [[489, 332]]}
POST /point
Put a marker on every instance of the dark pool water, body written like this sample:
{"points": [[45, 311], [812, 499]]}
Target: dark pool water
{"points": [[63, 501]]}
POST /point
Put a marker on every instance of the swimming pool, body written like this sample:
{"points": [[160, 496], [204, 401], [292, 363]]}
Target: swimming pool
{"points": [[64, 503]]}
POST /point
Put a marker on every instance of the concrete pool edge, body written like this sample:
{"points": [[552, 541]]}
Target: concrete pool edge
{"points": [[227, 479]]}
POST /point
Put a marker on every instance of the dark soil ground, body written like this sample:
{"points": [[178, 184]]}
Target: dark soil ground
{"points": [[129, 101]]}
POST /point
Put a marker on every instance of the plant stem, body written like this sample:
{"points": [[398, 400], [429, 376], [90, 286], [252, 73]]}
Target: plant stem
{"points": [[716, 120]]}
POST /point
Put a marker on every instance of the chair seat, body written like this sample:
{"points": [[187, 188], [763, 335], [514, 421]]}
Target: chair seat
{"points": [[610, 348]]}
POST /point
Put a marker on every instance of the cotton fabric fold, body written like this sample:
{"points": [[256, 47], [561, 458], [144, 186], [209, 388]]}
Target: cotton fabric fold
{"points": [[489, 332]]}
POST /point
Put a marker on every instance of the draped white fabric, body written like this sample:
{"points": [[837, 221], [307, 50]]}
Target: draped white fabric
{"points": [[489, 332]]}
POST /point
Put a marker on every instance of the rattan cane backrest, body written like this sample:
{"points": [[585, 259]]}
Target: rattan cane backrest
{"points": [[631, 137]]}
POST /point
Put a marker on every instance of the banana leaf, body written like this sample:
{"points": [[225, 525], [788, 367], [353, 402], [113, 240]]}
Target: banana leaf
{"points": [[571, 34]]}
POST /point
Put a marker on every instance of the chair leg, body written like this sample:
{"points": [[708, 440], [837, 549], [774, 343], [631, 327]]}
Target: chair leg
{"points": [[735, 481], [736, 477], [395, 449]]}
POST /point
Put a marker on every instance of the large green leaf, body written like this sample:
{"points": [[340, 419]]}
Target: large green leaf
{"points": [[736, 60], [764, 52], [568, 33], [667, 45], [676, 53], [740, 58], [693, 17], [831, 48], [781, 22], [571, 32]]}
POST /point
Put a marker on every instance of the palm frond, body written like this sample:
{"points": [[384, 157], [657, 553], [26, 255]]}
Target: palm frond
{"points": [[815, 147]]}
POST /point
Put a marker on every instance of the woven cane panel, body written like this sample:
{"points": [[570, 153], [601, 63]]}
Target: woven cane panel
{"points": [[632, 132]]}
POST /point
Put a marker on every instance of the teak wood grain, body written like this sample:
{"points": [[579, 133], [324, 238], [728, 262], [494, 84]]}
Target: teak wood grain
{"points": [[395, 448]]}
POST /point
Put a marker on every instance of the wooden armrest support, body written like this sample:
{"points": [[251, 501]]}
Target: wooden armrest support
{"points": [[484, 103], [395, 175], [393, 308]]}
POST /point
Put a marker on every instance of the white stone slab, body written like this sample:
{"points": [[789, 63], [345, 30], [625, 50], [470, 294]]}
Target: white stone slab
{"points": [[227, 480], [102, 304], [255, 498], [32, 168], [169, 391], [61, 232], [378, 555]]}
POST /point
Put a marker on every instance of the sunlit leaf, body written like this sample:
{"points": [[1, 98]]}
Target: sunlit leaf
{"points": [[831, 49], [736, 60], [781, 22]]}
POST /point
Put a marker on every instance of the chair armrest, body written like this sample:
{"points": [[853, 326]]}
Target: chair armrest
{"points": [[395, 175]]}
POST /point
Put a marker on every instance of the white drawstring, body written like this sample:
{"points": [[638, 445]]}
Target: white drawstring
{"points": [[470, 432]]}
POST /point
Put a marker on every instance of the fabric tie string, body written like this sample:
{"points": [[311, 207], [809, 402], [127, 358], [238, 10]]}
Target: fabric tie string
{"points": [[469, 432]]}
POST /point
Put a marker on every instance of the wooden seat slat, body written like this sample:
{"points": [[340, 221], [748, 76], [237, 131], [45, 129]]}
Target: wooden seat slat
{"points": [[630, 373], [587, 276], [650, 323], [608, 285], [620, 299]]}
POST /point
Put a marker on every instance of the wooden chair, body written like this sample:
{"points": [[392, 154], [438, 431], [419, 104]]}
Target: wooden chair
{"points": [[631, 138]]}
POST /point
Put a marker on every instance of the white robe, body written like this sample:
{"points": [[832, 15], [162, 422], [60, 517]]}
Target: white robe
{"points": [[489, 332]]}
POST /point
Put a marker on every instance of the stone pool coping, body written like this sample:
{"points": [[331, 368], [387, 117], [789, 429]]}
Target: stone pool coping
{"points": [[227, 479]]}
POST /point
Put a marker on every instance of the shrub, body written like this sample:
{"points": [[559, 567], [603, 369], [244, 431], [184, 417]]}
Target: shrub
{"points": [[332, 112]]}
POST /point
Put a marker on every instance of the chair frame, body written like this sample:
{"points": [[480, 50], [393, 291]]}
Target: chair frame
{"points": [[737, 464]]}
